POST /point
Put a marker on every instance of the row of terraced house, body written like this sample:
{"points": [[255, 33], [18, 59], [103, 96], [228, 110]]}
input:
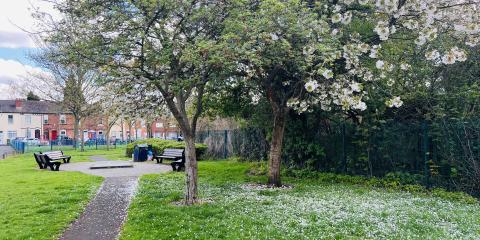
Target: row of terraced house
{"points": [[45, 121]]}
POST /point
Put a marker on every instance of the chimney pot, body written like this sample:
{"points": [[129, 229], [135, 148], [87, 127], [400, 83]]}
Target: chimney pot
{"points": [[18, 103]]}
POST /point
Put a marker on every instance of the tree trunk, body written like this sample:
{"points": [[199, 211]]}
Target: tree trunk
{"points": [[76, 127], [82, 143], [275, 157], [122, 130], [107, 138], [191, 170]]}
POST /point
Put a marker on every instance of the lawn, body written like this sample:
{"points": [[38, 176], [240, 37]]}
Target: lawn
{"points": [[311, 210], [40, 204]]}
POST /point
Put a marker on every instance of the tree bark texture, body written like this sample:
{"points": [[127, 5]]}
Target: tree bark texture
{"points": [[191, 169], [275, 158]]}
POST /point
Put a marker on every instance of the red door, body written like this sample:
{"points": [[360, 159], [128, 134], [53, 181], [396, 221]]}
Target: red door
{"points": [[54, 135]]}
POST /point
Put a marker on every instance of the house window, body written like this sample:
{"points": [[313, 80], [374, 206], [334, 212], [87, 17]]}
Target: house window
{"points": [[63, 119], [28, 119], [63, 133], [10, 119], [45, 119], [28, 133], [12, 134], [173, 125], [159, 124]]}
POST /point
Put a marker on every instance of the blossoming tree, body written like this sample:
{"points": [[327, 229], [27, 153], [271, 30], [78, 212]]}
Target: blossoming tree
{"points": [[329, 54]]}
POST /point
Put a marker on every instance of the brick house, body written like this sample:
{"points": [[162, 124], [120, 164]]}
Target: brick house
{"points": [[165, 129]]}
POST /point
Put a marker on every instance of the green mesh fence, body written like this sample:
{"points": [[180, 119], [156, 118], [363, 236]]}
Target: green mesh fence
{"points": [[248, 143], [443, 153]]}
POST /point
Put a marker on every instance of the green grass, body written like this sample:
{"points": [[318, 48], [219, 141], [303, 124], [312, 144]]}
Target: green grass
{"points": [[311, 210], [40, 204]]}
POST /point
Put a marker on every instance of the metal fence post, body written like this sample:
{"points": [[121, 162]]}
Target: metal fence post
{"points": [[344, 151], [426, 154], [51, 145], [225, 142]]}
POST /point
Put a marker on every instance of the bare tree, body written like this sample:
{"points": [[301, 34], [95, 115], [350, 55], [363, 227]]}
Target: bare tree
{"points": [[73, 84]]}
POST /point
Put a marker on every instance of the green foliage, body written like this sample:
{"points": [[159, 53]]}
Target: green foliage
{"points": [[259, 169], [160, 145], [32, 97]]}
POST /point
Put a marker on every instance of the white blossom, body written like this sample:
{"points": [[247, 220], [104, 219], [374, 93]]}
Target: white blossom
{"points": [[311, 85], [394, 102]]}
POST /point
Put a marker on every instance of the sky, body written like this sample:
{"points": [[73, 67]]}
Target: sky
{"points": [[16, 44]]}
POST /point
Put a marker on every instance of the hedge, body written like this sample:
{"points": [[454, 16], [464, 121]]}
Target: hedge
{"points": [[159, 145]]}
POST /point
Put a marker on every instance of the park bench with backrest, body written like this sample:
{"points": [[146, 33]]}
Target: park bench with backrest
{"points": [[39, 161], [58, 155], [171, 154], [44, 161], [176, 155]]}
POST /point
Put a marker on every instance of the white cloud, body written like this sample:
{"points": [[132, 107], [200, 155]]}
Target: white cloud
{"points": [[17, 15], [14, 76]]}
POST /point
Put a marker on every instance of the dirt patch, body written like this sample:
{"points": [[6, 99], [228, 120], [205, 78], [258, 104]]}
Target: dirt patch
{"points": [[260, 186], [199, 202]]}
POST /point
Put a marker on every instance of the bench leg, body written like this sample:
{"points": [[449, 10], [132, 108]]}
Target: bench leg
{"points": [[68, 159], [57, 166], [51, 167]]}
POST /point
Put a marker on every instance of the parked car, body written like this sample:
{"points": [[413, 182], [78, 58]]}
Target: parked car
{"points": [[64, 138], [31, 141], [178, 138]]}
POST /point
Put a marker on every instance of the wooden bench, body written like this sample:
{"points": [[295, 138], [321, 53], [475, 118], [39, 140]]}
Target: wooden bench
{"points": [[176, 155], [171, 154], [178, 165], [57, 155], [44, 161], [39, 161]]}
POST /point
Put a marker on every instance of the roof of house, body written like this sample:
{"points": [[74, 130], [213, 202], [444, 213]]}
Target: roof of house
{"points": [[27, 106]]}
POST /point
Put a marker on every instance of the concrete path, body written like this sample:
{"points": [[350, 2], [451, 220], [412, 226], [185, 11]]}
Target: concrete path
{"points": [[139, 168], [6, 150], [105, 214]]}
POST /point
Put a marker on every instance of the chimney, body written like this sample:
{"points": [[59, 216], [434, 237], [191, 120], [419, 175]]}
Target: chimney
{"points": [[18, 103]]}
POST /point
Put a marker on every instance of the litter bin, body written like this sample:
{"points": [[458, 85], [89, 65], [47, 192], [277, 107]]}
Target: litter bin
{"points": [[140, 153]]}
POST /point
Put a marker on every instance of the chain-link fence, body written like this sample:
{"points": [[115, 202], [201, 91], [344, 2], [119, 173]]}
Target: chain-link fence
{"points": [[248, 143]]}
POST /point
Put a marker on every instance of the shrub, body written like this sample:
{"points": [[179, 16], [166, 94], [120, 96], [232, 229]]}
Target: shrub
{"points": [[259, 169], [160, 145]]}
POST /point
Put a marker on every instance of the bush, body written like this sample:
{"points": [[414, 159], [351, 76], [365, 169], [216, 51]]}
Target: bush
{"points": [[160, 145]]}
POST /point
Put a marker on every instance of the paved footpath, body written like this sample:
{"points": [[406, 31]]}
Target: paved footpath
{"points": [[105, 214]]}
